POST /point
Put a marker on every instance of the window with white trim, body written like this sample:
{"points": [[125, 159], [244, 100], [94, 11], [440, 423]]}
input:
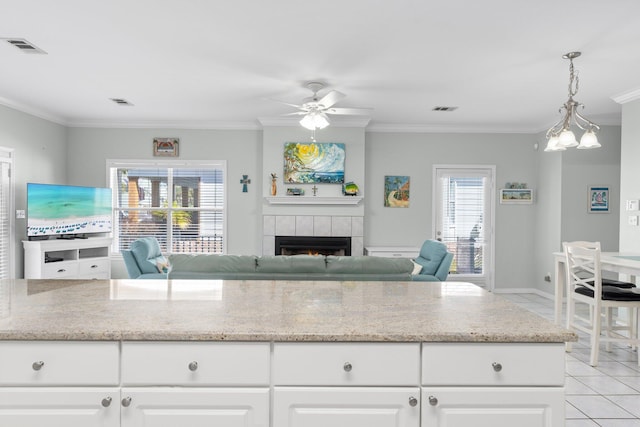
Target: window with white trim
{"points": [[181, 204]]}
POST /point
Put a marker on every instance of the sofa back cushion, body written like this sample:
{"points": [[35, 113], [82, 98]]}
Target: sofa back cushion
{"points": [[210, 263], [146, 252], [431, 255], [291, 264], [368, 265]]}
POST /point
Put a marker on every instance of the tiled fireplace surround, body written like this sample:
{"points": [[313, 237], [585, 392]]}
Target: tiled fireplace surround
{"points": [[312, 225]]}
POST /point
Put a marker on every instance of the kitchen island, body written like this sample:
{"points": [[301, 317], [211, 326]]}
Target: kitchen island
{"points": [[274, 353]]}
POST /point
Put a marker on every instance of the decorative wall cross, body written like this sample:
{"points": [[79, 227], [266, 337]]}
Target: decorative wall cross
{"points": [[244, 181], [314, 189]]}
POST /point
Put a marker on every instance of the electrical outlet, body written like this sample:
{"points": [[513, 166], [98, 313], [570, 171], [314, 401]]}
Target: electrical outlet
{"points": [[20, 214], [633, 220], [632, 205], [547, 277]]}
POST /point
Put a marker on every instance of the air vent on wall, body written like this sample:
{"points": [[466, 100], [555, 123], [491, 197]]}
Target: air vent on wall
{"points": [[25, 46], [440, 108], [122, 102]]}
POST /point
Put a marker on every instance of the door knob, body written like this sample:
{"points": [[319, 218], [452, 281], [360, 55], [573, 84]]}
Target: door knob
{"points": [[193, 366], [106, 402], [433, 401], [126, 402], [348, 367], [497, 366], [413, 401], [37, 365]]}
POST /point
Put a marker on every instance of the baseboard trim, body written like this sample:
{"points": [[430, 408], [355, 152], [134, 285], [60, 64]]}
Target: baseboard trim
{"points": [[524, 291]]}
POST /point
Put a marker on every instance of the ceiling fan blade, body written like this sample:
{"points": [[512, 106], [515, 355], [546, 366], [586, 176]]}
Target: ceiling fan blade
{"points": [[331, 98], [350, 111], [285, 103], [297, 113]]}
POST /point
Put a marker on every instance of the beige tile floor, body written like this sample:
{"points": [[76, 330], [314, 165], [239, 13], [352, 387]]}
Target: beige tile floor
{"points": [[607, 395]]}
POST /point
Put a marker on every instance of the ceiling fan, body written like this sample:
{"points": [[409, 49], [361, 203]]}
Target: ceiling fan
{"points": [[316, 110]]}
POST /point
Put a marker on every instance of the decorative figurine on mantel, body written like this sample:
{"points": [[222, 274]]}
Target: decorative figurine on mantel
{"points": [[315, 190], [350, 189], [274, 185]]}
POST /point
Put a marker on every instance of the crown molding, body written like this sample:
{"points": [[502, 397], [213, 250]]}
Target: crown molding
{"points": [[33, 111], [413, 128], [628, 96], [176, 124]]}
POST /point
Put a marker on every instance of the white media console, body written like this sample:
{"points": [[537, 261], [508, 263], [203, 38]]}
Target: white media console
{"points": [[68, 259]]}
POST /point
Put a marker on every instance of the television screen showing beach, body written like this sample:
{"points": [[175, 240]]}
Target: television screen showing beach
{"points": [[65, 209]]}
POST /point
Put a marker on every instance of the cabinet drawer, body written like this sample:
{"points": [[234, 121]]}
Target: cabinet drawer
{"points": [[493, 364], [346, 364], [98, 268], [60, 269], [48, 363], [195, 363]]}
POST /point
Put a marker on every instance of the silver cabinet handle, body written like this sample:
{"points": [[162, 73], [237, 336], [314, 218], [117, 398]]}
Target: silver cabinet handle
{"points": [[433, 401], [126, 402], [106, 402], [497, 366], [37, 365], [347, 367], [413, 401], [94, 266], [193, 366], [62, 270]]}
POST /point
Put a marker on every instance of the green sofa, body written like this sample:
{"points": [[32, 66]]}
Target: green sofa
{"points": [[293, 267], [144, 261]]}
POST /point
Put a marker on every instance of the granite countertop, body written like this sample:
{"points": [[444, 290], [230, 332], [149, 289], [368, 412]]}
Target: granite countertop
{"points": [[227, 310]]}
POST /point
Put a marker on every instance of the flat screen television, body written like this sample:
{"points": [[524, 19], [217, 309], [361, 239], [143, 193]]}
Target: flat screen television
{"points": [[67, 211]]}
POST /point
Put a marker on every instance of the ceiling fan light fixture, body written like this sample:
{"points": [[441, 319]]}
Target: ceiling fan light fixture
{"points": [[314, 120]]}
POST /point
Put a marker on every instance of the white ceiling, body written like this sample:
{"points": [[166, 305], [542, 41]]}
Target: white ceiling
{"points": [[216, 63]]}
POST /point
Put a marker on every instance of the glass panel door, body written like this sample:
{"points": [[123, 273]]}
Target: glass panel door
{"points": [[464, 220]]}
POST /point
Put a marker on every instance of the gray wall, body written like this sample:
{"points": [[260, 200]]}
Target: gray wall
{"points": [[630, 174], [415, 154], [525, 234], [40, 155]]}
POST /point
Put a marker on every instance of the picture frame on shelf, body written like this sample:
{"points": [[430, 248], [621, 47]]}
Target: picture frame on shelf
{"points": [[516, 196], [598, 199]]}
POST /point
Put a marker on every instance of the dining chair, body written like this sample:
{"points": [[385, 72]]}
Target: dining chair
{"points": [[585, 285]]}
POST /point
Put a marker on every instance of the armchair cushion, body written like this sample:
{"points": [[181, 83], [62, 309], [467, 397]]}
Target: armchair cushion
{"points": [[435, 261], [146, 252]]}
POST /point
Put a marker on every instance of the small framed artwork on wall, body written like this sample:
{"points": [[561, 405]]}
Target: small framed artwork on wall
{"points": [[598, 199], [166, 147], [396, 191], [516, 196]]}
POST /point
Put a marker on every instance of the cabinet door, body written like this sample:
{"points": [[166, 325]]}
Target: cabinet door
{"points": [[346, 407], [202, 407], [59, 407], [493, 407]]}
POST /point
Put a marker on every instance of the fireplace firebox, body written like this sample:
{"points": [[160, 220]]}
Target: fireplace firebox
{"points": [[311, 245]]}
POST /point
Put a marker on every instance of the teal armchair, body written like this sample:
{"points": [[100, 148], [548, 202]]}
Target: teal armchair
{"points": [[435, 261], [144, 259]]}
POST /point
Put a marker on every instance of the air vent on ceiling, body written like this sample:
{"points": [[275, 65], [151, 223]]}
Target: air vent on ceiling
{"points": [[122, 102], [25, 46], [440, 108]]}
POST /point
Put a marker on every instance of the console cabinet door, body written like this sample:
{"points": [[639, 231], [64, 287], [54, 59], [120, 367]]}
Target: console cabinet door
{"points": [[59, 407], [492, 407], [191, 407], [346, 407]]}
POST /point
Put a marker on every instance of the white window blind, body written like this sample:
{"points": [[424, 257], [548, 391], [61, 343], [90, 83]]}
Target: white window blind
{"points": [[6, 204], [183, 206], [463, 229]]}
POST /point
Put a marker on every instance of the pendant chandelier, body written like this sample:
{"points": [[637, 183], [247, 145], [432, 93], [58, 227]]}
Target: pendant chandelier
{"points": [[559, 136]]}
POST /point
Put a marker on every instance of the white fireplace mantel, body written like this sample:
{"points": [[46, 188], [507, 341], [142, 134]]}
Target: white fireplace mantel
{"points": [[310, 200]]}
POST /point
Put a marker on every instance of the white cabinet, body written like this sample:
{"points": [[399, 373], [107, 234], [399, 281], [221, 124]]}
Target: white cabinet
{"points": [[346, 384], [195, 407], [67, 259], [492, 406], [59, 407], [492, 384], [393, 251], [346, 406]]}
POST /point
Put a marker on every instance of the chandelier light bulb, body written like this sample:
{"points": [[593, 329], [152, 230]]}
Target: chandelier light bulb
{"points": [[567, 139], [552, 145], [589, 140]]}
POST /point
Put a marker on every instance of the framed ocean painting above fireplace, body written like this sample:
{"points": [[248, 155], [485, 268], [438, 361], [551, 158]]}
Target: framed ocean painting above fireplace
{"points": [[314, 163]]}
